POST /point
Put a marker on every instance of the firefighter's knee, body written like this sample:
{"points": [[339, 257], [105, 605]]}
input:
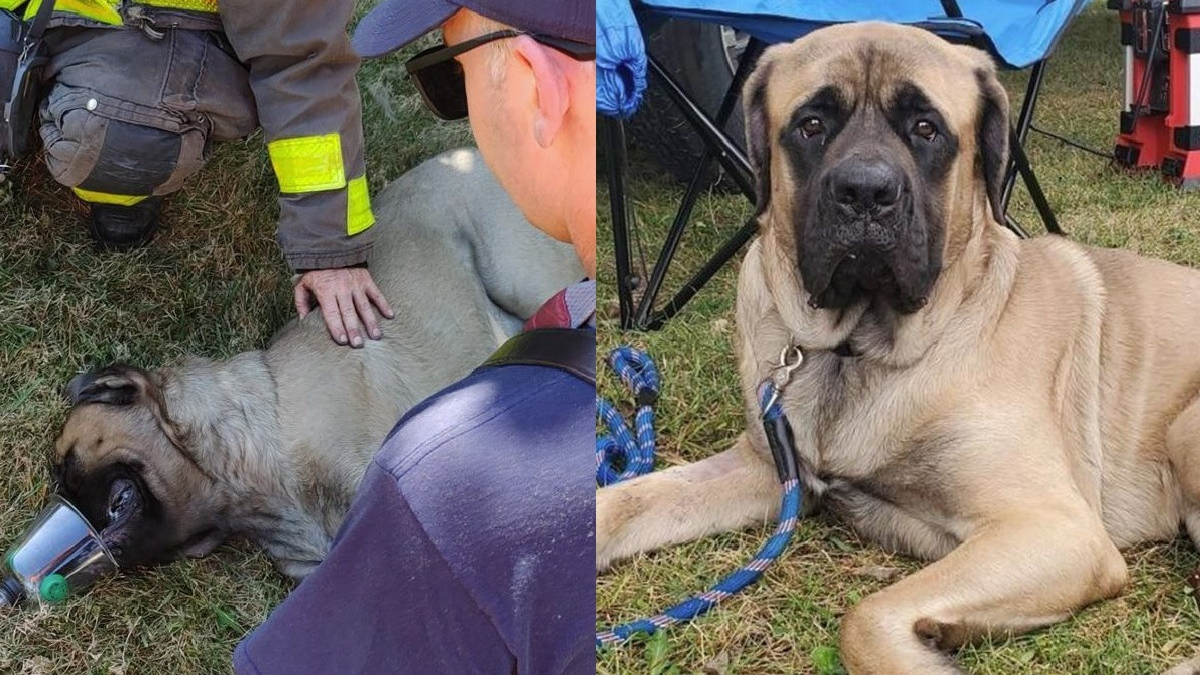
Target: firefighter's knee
{"points": [[98, 153]]}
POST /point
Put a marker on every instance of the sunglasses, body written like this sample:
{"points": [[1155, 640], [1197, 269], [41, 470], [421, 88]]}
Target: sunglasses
{"points": [[439, 78]]}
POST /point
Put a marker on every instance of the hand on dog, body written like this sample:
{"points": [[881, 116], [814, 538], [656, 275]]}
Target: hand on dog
{"points": [[345, 297]]}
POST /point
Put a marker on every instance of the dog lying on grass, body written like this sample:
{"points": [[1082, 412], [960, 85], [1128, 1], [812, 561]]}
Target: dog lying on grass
{"points": [[1014, 412], [270, 445]]}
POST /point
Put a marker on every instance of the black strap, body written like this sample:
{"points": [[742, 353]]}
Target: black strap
{"points": [[952, 9], [569, 349], [38, 26]]}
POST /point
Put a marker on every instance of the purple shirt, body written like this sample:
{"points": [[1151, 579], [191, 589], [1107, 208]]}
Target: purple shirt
{"points": [[469, 548]]}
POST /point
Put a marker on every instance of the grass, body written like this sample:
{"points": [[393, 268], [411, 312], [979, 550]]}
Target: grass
{"points": [[213, 283], [788, 623]]}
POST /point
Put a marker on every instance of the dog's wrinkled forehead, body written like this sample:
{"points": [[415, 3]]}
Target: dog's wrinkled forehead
{"points": [[115, 418], [93, 438], [874, 63]]}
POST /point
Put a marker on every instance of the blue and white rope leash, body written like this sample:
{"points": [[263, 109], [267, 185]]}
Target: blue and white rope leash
{"points": [[636, 369], [635, 456]]}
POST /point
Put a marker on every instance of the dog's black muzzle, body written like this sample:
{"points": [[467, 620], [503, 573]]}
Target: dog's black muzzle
{"points": [[863, 237]]}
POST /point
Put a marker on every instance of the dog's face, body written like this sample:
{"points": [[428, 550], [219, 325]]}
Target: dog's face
{"points": [[121, 461], [875, 147]]}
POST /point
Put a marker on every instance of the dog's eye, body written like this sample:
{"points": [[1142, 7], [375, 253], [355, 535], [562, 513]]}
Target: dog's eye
{"points": [[925, 129], [811, 126], [119, 499]]}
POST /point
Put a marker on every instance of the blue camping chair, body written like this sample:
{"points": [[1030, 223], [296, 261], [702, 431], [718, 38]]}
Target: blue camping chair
{"points": [[1017, 33]]}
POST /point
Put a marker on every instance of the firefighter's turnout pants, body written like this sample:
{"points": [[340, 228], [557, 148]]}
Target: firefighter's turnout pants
{"points": [[131, 113]]}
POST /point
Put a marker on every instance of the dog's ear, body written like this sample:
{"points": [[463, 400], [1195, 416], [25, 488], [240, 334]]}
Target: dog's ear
{"points": [[992, 136], [122, 385], [114, 385], [758, 131]]}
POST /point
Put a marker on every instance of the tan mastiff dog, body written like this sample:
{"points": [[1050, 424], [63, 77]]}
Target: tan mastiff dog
{"points": [[1014, 412], [270, 445]]}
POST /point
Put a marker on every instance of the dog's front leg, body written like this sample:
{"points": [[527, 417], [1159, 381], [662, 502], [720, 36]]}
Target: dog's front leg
{"points": [[1029, 569], [728, 491]]}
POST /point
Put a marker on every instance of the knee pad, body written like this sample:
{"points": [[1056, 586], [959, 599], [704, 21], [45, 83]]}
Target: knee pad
{"points": [[97, 153], [127, 115]]}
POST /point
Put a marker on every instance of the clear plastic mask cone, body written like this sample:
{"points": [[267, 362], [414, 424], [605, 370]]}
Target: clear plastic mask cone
{"points": [[58, 556]]}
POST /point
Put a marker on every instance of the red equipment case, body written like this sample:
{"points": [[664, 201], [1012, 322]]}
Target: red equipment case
{"points": [[1160, 124]]}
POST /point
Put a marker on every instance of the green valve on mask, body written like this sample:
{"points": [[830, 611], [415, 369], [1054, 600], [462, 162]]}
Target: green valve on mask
{"points": [[53, 588]]}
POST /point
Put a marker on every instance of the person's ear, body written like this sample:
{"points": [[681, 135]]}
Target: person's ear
{"points": [[551, 89]]}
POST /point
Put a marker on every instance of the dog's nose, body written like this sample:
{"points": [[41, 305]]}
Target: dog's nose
{"points": [[866, 185]]}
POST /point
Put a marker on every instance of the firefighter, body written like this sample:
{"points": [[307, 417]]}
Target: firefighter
{"points": [[137, 93]]}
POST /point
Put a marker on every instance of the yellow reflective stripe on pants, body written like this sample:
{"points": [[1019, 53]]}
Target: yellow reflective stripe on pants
{"points": [[103, 11], [308, 163], [189, 5], [106, 198], [358, 206]]}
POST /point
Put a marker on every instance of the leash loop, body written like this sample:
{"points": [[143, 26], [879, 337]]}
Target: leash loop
{"points": [[638, 372], [623, 454]]}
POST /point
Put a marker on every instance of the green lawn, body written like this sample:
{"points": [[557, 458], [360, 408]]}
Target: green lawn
{"points": [[788, 623], [213, 283]]}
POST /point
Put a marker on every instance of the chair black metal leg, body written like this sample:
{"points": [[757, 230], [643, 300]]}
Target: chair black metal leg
{"points": [[1034, 89], [1023, 121], [1018, 162], [951, 8], [671, 244], [724, 149], [716, 144], [614, 137], [1034, 187], [726, 253], [1012, 224]]}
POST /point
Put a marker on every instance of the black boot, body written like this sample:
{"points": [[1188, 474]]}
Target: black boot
{"points": [[121, 228]]}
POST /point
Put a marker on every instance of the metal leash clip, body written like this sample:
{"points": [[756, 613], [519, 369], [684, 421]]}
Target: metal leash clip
{"points": [[783, 372]]}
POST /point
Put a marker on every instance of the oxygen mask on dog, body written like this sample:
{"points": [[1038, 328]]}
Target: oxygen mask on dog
{"points": [[59, 555]]}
